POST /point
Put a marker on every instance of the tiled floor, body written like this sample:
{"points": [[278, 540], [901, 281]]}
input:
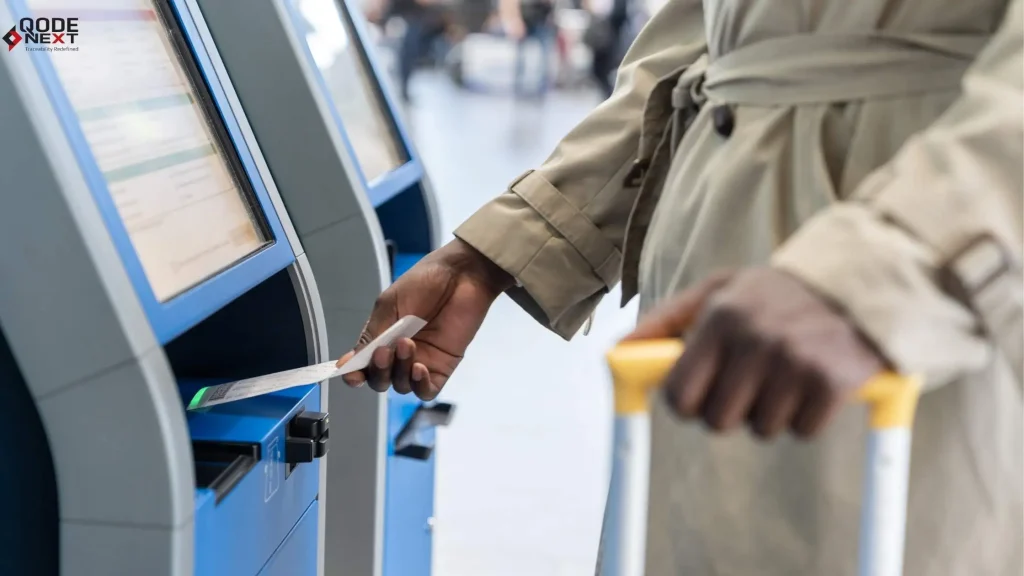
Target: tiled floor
{"points": [[522, 472]]}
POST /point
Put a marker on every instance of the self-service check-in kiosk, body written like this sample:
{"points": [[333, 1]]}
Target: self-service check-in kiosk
{"points": [[145, 252], [364, 210]]}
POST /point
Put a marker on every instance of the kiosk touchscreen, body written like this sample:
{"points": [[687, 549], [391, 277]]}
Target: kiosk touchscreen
{"points": [[370, 129], [331, 41], [145, 253], [364, 210]]}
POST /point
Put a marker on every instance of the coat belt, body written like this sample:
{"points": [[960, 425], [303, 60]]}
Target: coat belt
{"points": [[820, 68], [824, 68], [789, 71]]}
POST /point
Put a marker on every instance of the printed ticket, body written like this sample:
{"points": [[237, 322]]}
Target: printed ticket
{"points": [[407, 327]]}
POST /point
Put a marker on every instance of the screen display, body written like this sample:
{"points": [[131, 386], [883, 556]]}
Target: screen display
{"points": [[173, 183], [352, 86]]}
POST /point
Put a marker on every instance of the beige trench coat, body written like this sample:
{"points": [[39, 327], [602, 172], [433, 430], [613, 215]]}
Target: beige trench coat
{"points": [[873, 148]]}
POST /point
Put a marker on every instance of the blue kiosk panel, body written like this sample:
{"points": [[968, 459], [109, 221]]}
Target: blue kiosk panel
{"points": [[154, 132], [294, 555], [244, 531]]}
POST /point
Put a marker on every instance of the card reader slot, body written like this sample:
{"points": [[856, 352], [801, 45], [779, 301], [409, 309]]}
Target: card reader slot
{"points": [[221, 465]]}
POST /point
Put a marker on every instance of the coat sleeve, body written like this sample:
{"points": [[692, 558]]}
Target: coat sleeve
{"points": [[559, 229], [926, 259]]}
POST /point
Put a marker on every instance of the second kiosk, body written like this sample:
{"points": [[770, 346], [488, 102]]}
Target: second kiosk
{"points": [[364, 212]]}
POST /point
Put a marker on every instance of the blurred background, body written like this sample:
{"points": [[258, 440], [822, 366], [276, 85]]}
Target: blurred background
{"points": [[488, 88]]}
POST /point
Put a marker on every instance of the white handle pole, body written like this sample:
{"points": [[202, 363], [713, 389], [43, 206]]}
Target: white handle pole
{"points": [[884, 506], [624, 539]]}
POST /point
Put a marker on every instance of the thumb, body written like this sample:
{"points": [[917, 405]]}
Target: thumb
{"points": [[345, 358], [369, 332], [353, 379], [384, 314], [672, 318]]}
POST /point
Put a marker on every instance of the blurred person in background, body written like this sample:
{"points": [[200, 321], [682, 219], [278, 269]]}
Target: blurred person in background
{"points": [[525, 21], [857, 165], [604, 37], [426, 22]]}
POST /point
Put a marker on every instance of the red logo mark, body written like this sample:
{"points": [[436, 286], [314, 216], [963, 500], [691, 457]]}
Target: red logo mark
{"points": [[12, 38]]}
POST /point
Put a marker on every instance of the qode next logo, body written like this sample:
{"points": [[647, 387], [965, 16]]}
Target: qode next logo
{"points": [[48, 34]]}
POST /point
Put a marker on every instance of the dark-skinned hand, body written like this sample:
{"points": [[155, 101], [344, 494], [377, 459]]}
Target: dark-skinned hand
{"points": [[763, 350], [452, 289]]}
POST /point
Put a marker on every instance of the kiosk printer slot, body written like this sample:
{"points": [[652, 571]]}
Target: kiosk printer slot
{"points": [[144, 252], [364, 211]]}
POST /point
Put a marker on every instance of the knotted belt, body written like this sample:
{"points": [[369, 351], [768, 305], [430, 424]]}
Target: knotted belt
{"points": [[784, 71]]}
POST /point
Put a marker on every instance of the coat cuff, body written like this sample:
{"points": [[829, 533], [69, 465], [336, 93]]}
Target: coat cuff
{"points": [[887, 282], [564, 265]]}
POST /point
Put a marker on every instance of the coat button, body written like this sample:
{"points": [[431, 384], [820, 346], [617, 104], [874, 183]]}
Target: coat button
{"points": [[724, 120]]}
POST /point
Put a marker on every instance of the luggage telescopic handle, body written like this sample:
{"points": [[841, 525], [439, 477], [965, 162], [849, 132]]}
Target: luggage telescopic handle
{"points": [[638, 368]]}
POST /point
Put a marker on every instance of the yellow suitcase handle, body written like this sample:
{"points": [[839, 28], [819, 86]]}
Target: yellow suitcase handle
{"points": [[639, 367]]}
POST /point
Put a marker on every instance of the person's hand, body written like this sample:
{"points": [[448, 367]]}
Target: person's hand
{"points": [[514, 27], [761, 349], [452, 289], [374, 11], [374, 14]]}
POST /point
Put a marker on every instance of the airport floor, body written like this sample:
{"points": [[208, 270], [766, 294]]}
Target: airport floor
{"points": [[523, 470]]}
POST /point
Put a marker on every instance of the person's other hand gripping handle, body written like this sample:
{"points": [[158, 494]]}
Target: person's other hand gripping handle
{"points": [[731, 308]]}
